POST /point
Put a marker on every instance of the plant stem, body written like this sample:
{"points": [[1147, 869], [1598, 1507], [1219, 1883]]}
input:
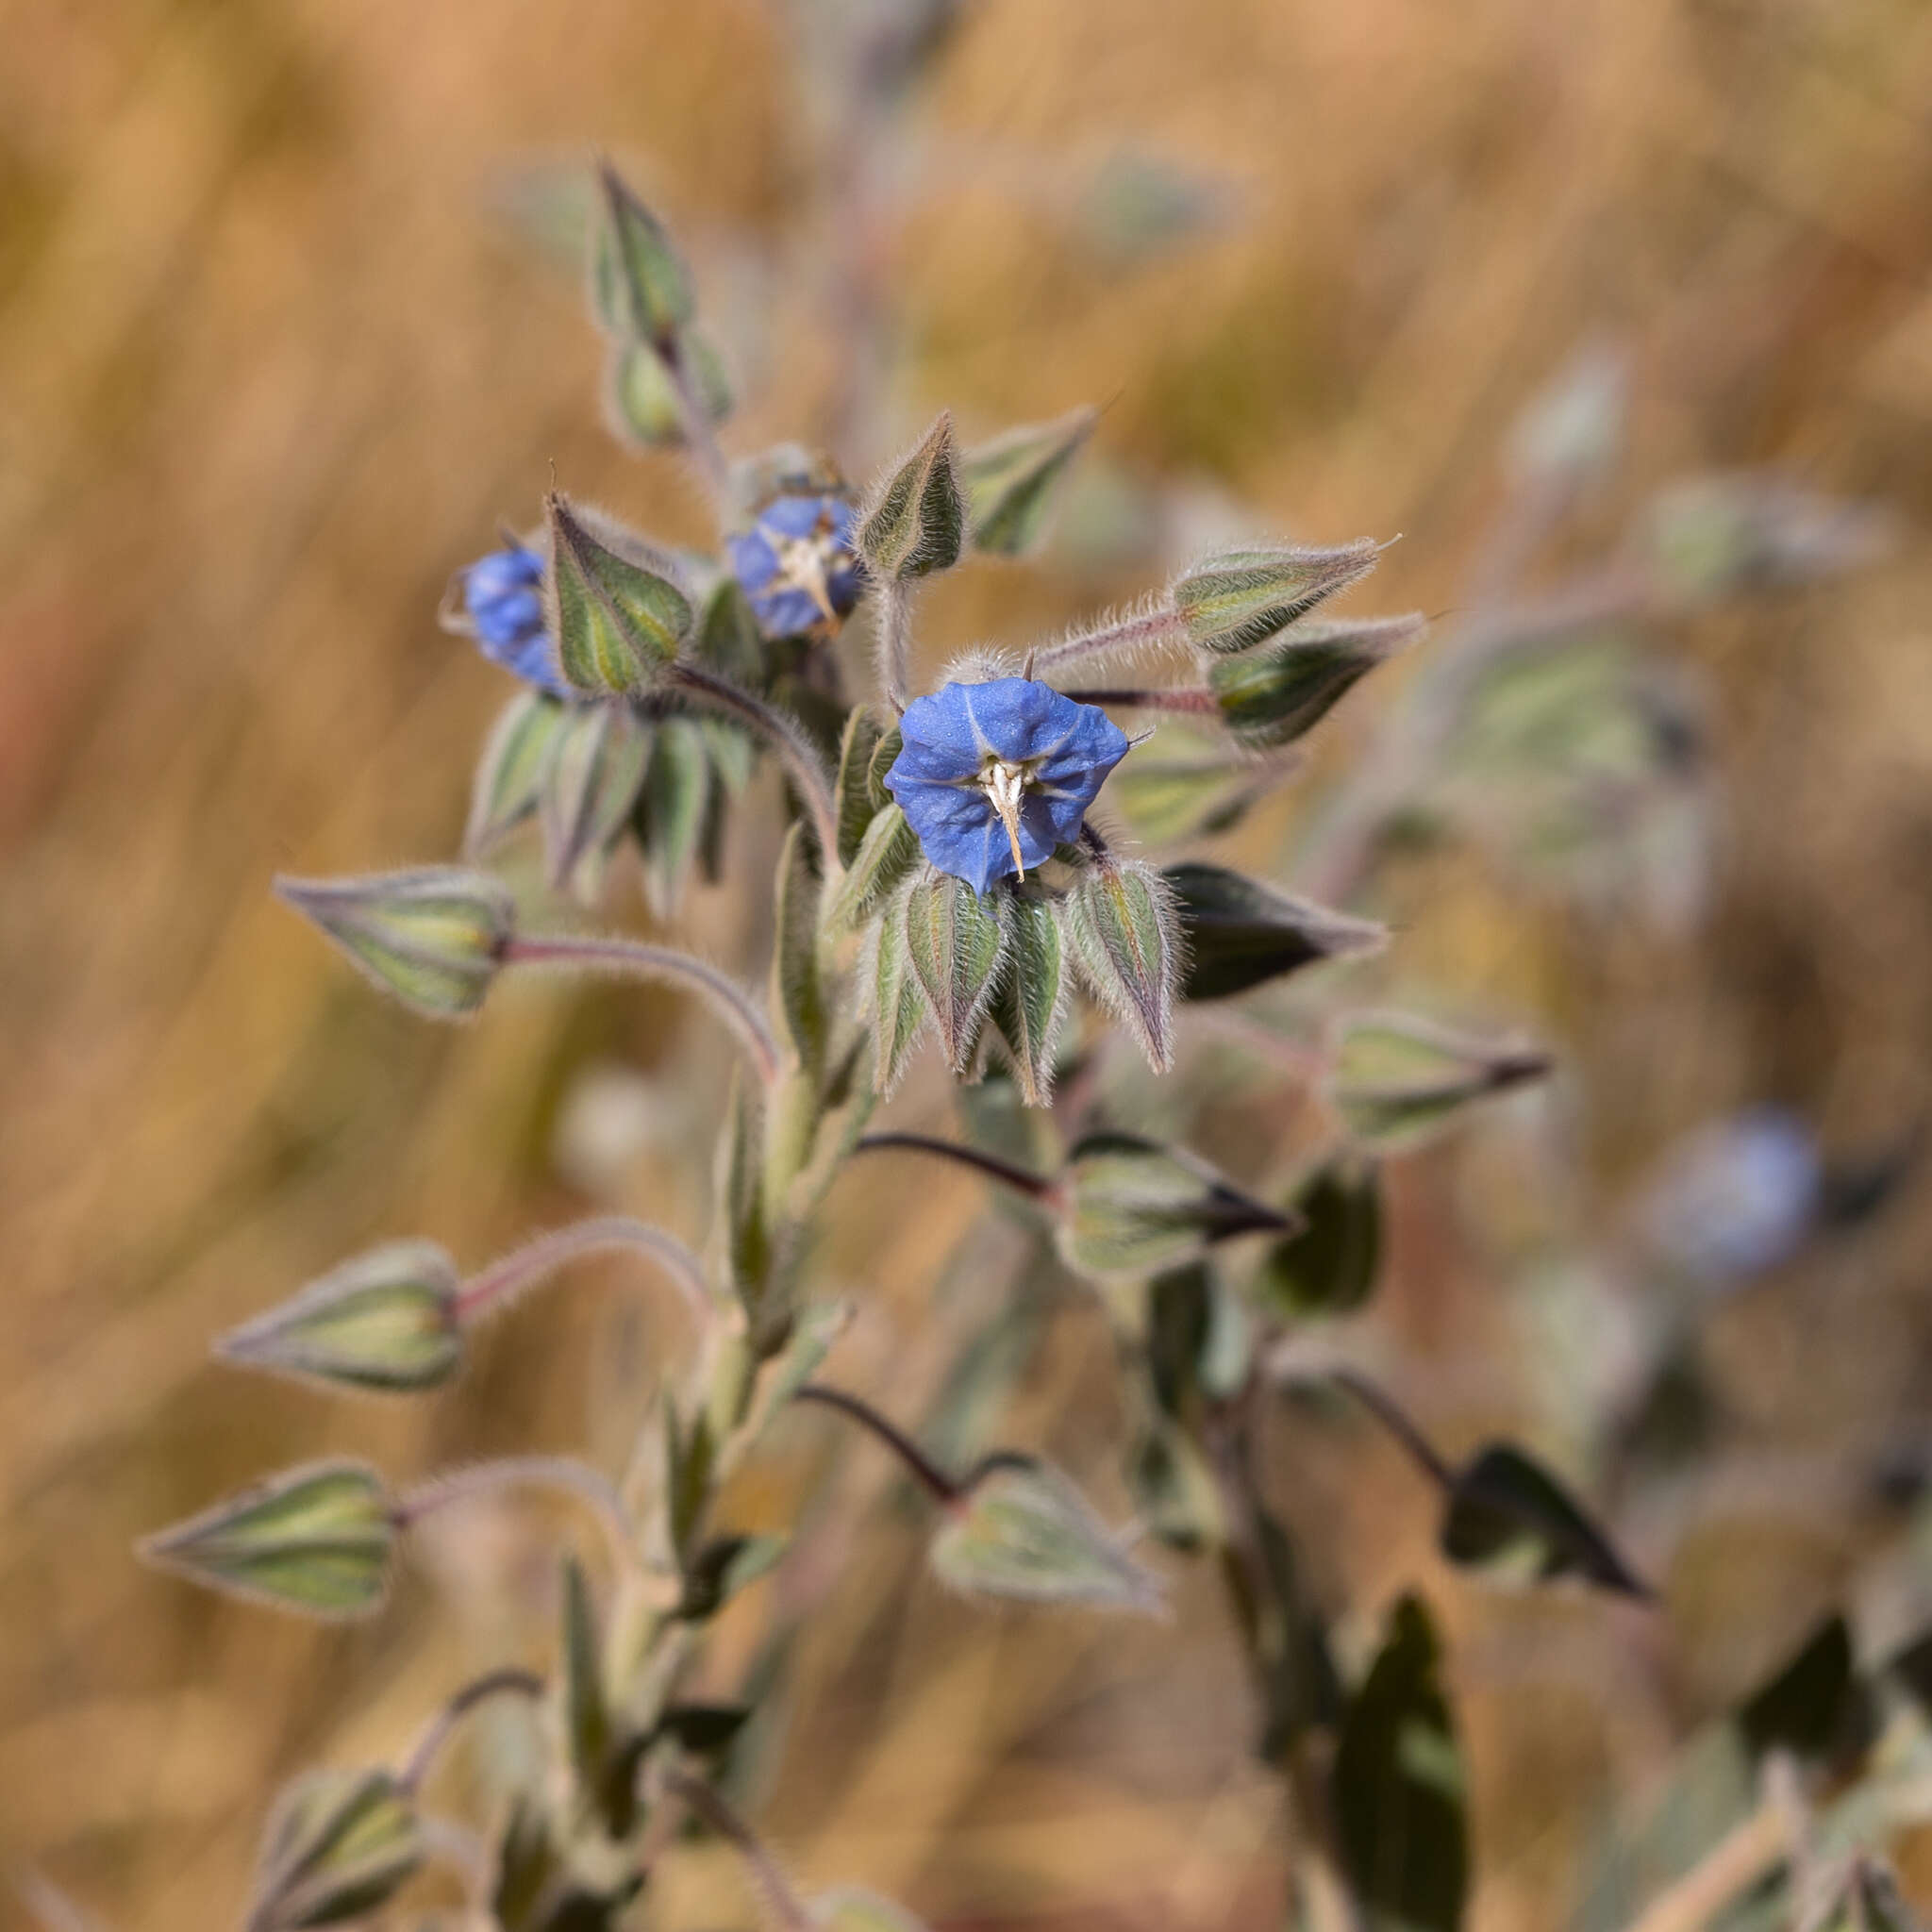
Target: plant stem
{"points": [[504, 1279], [937, 1483], [786, 1905], [562, 1475], [785, 735], [1398, 1425], [632, 958], [1191, 698], [700, 435], [1162, 625], [893, 646], [1036, 1187], [439, 1730]]}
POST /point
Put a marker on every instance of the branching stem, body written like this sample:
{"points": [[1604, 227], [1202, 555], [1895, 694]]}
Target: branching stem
{"points": [[785, 736], [441, 1728], [561, 1475], [1021, 1180], [504, 1279], [935, 1481]]}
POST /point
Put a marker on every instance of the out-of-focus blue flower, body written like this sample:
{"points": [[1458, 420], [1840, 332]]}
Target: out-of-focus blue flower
{"points": [[993, 776], [798, 565], [1738, 1196], [503, 609]]}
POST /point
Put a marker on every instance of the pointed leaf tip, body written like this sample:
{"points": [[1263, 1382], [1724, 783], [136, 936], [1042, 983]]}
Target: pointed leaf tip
{"points": [[338, 1843], [915, 523], [1012, 481], [615, 606], [1240, 598]]}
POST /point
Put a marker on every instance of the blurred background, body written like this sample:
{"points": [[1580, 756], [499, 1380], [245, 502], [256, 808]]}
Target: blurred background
{"points": [[290, 319]]}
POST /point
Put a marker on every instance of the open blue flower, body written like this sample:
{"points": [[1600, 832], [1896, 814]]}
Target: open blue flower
{"points": [[503, 609], [993, 776], [796, 563]]}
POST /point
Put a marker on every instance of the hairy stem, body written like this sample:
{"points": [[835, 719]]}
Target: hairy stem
{"points": [[703, 1801], [441, 1728], [1036, 1187], [504, 1279], [894, 643], [785, 736], [1398, 1425], [936, 1482], [700, 433], [634, 959], [1163, 625], [561, 1475]]}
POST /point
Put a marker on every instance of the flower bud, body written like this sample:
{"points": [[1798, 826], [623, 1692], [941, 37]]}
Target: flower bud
{"points": [[386, 1320], [1718, 536], [1272, 697], [1397, 1080], [339, 1844], [640, 287], [1237, 933], [1022, 1531], [916, 522], [641, 400], [433, 936], [616, 607], [1011, 482], [1242, 598], [317, 1540]]}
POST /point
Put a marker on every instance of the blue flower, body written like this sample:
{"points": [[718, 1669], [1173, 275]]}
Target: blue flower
{"points": [[992, 776], [1737, 1196], [503, 609], [798, 565]]}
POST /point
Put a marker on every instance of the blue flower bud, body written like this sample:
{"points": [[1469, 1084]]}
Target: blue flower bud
{"points": [[992, 776], [798, 565], [503, 609]]}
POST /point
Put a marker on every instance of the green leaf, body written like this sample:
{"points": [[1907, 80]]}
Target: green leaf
{"points": [[1030, 999], [614, 605], [671, 810], [386, 1320], [1814, 1705], [639, 287], [796, 987], [1122, 921], [749, 1248], [317, 1540], [595, 773], [1240, 598], [953, 943], [587, 1724], [856, 807], [1022, 1531], [1272, 697], [434, 936], [915, 523], [339, 1844], [509, 776], [883, 760], [641, 400], [1237, 933], [725, 1565], [1197, 792], [729, 637], [1010, 482], [1329, 1267], [690, 1453], [1398, 1785], [1134, 1207], [1199, 1340], [1506, 1507], [885, 856], [1397, 1080], [895, 1001]]}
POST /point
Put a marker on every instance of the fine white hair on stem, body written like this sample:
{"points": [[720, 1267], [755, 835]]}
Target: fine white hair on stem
{"points": [[1149, 626]]}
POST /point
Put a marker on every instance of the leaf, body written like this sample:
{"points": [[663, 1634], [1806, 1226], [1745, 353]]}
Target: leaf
{"points": [[885, 856], [857, 804], [705, 1730], [317, 1539], [671, 810], [1397, 1080], [385, 1320], [614, 605], [1504, 1504], [641, 400], [1010, 482], [1122, 921], [339, 1844], [1195, 793], [595, 772], [1134, 1207], [1329, 1267], [915, 523], [749, 1248], [509, 776], [433, 936], [729, 637], [1398, 1783], [896, 1000], [1022, 1530], [953, 943], [1237, 933], [1273, 697], [639, 287], [798, 991], [883, 760], [1240, 598], [1814, 1705], [1030, 1000], [587, 1724], [725, 1565], [690, 1452]]}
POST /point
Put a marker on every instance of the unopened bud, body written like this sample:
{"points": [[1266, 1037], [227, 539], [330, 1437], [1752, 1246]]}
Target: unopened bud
{"points": [[339, 1844], [915, 523], [1242, 598]]}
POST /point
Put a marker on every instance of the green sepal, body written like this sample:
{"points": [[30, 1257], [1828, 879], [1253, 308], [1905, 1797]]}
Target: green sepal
{"points": [[1237, 933], [386, 1320], [797, 987], [510, 774], [885, 857], [613, 604], [729, 637], [1121, 919], [589, 1728], [1030, 999], [1011, 482], [1329, 1267], [689, 1455], [339, 1844], [595, 773], [317, 1540], [915, 523], [856, 807], [672, 810], [883, 759], [954, 943], [1270, 698], [641, 400], [1242, 598], [434, 936], [640, 287], [896, 1000]]}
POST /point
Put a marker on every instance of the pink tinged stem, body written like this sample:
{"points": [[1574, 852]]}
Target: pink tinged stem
{"points": [[931, 1477], [441, 1728], [632, 958], [504, 1279], [560, 1474], [1160, 625]]}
